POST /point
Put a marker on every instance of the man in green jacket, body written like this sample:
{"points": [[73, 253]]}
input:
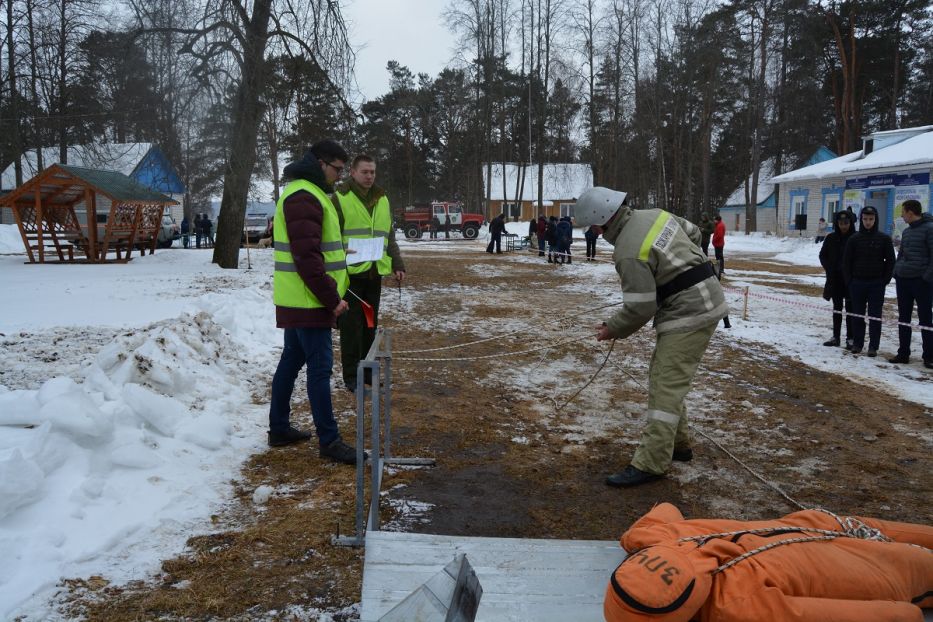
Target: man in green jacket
{"points": [[364, 213], [667, 277]]}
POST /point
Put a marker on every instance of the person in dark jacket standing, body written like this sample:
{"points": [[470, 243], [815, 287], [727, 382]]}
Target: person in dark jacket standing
{"points": [[564, 240], [496, 227], [706, 231], [541, 232], [550, 234], [591, 235], [208, 231], [913, 274], [185, 231], [308, 285], [198, 230], [867, 264], [831, 254]]}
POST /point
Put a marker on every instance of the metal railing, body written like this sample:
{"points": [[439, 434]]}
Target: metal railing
{"points": [[378, 366]]}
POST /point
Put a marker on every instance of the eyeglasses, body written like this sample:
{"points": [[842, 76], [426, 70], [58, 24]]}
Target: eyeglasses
{"points": [[339, 169]]}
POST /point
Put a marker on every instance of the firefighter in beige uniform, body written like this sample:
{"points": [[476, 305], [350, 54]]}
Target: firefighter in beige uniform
{"points": [[666, 276]]}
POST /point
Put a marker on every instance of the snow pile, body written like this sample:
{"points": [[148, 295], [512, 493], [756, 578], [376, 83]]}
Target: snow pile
{"points": [[113, 468], [11, 242], [123, 459]]}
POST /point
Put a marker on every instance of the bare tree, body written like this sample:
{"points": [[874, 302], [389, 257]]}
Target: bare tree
{"points": [[230, 41]]}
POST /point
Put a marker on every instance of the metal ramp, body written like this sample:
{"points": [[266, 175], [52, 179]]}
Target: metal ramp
{"points": [[523, 579]]}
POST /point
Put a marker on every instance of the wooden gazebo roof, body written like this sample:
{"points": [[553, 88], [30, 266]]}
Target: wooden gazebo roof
{"points": [[44, 208]]}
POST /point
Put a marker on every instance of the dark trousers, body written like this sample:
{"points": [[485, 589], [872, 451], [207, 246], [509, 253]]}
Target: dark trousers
{"points": [[910, 292], [704, 244], [497, 240], [564, 253], [197, 239], [312, 347], [840, 302], [591, 249], [355, 337], [720, 259], [866, 296], [541, 247], [184, 239]]}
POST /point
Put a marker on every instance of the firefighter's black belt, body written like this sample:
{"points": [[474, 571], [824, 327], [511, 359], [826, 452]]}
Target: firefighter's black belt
{"points": [[687, 278]]}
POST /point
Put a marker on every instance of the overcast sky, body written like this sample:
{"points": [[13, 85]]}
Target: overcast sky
{"points": [[409, 31]]}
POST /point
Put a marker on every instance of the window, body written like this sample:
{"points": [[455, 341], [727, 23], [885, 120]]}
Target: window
{"points": [[512, 210], [832, 204], [566, 209], [800, 205]]}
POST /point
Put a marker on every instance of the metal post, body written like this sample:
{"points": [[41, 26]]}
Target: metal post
{"points": [[375, 459], [385, 386]]}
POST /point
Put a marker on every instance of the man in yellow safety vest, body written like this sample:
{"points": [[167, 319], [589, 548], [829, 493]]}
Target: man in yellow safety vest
{"points": [[309, 282], [364, 213]]}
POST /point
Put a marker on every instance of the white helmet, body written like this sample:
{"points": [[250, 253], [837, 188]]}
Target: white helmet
{"points": [[596, 206]]}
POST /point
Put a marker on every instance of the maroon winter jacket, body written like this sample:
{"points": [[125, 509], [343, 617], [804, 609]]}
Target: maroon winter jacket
{"points": [[304, 218]]}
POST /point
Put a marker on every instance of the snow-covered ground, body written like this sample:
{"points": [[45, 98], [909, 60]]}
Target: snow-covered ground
{"points": [[131, 394]]}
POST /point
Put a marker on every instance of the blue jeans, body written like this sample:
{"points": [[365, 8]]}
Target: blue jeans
{"points": [[868, 294], [312, 347], [910, 291]]}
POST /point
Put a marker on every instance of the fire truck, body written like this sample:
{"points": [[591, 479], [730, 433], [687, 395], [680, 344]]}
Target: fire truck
{"points": [[416, 220]]}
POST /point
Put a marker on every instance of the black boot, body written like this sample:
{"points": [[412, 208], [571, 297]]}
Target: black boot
{"points": [[832, 342], [631, 476]]}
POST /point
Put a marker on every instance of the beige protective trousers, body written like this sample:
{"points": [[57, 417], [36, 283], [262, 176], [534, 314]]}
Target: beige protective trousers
{"points": [[673, 364]]}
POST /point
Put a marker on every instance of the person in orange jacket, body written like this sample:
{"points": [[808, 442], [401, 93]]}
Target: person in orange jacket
{"points": [[798, 568]]}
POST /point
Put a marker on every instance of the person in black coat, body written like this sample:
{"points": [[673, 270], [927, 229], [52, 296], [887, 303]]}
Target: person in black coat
{"points": [[541, 232], [591, 235], [868, 265], [550, 235], [496, 227], [831, 254], [198, 230], [913, 274]]}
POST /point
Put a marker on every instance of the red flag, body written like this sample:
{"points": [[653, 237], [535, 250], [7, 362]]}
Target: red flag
{"points": [[368, 313]]}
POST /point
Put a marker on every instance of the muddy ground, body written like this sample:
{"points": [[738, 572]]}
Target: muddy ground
{"points": [[514, 461]]}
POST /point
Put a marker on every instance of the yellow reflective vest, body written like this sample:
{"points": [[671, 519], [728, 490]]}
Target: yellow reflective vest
{"points": [[288, 288], [358, 223]]}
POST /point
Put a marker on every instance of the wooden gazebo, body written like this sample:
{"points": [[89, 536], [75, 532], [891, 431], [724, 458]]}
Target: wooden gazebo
{"points": [[65, 208]]}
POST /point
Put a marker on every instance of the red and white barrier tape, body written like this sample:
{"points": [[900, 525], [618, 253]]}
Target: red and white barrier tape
{"points": [[807, 305]]}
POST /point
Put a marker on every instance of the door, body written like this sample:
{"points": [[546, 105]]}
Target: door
{"points": [[456, 214], [879, 200]]}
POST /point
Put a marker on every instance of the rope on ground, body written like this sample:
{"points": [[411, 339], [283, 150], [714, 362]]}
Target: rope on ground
{"points": [[592, 378], [505, 335], [491, 356], [774, 487], [696, 429]]}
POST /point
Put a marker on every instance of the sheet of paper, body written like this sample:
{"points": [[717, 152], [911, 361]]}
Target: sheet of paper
{"points": [[365, 249]]}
